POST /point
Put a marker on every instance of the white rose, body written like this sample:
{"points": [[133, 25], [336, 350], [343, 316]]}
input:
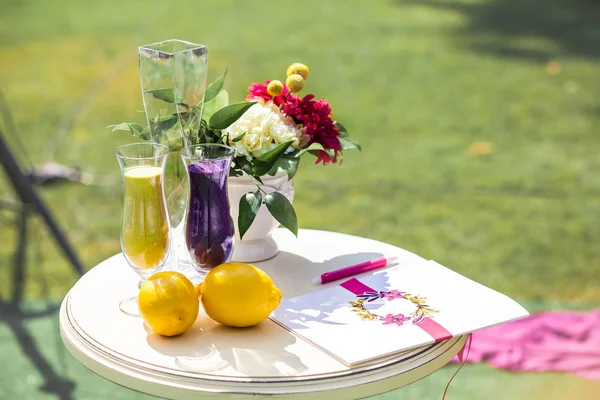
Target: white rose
{"points": [[265, 127]]}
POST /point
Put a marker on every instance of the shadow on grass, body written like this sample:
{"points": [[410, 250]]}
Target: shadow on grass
{"points": [[520, 28], [15, 317]]}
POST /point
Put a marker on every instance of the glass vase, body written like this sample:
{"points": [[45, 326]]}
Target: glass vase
{"points": [[173, 78], [209, 228]]}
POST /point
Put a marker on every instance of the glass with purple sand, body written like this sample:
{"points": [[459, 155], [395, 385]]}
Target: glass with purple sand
{"points": [[209, 228]]}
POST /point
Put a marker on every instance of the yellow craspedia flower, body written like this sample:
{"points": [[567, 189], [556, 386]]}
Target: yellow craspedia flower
{"points": [[275, 88], [297, 68], [295, 83]]}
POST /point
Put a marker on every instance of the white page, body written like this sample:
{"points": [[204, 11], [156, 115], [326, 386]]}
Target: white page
{"points": [[326, 318]]}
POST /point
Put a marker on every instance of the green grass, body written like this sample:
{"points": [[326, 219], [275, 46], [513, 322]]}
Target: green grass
{"points": [[417, 82], [409, 79]]}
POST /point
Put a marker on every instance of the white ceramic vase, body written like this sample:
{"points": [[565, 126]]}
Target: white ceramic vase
{"points": [[257, 245]]}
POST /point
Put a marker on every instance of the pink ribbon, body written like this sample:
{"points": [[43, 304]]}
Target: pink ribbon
{"points": [[431, 327], [435, 330], [357, 287]]}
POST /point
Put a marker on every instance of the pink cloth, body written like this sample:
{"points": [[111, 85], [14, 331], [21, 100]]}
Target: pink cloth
{"points": [[560, 341]]}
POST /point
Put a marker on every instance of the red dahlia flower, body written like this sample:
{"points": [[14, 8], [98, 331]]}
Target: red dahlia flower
{"points": [[258, 90], [315, 116]]}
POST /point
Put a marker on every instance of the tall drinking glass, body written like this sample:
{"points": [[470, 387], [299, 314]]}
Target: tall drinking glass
{"points": [[144, 222], [173, 76], [208, 224]]}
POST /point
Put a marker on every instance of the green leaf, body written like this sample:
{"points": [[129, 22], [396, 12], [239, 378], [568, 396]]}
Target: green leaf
{"points": [[249, 205], [239, 137], [215, 104], [331, 152], [265, 162], [313, 147], [282, 210], [163, 123], [345, 140], [144, 134], [287, 164], [229, 114], [233, 171], [131, 127], [163, 94], [340, 127], [244, 164], [135, 126], [215, 87], [123, 126], [348, 143]]}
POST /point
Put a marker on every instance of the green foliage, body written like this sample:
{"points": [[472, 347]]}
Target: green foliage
{"points": [[212, 106], [346, 141], [288, 164], [215, 88], [283, 211], [132, 127], [249, 205], [163, 94], [229, 114], [265, 162], [313, 147], [238, 138], [524, 219]]}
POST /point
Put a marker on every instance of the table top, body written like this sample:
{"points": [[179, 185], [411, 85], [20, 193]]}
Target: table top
{"points": [[211, 359]]}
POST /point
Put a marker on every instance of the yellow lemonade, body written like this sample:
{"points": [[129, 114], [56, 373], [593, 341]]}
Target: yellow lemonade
{"points": [[145, 230]]}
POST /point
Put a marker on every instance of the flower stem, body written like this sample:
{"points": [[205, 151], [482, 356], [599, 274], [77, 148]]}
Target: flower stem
{"points": [[258, 185]]}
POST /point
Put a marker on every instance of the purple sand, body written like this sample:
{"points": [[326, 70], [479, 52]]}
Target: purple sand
{"points": [[209, 227]]}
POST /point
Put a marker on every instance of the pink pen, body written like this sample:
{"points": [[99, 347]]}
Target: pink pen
{"points": [[354, 270]]}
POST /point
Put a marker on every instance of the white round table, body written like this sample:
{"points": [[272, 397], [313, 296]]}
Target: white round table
{"points": [[210, 359]]}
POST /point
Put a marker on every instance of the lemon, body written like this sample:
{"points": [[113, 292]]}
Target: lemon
{"points": [[168, 303], [239, 295]]}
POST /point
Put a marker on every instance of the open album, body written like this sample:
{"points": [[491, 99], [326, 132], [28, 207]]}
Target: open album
{"points": [[364, 318]]}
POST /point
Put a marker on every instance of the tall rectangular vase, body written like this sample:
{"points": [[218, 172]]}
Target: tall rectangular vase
{"points": [[173, 77]]}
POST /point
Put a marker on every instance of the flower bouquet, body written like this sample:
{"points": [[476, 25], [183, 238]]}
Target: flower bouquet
{"points": [[271, 131]]}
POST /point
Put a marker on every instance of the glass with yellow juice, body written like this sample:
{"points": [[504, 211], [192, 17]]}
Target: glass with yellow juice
{"points": [[144, 221]]}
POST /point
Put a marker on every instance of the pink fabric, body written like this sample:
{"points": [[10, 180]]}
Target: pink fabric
{"points": [[559, 341]]}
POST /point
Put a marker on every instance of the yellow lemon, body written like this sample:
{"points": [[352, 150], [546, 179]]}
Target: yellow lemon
{"points": [[239, 295], [168, 303]]}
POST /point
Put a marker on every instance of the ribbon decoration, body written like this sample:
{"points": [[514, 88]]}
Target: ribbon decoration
{"points": [[462, 357], [431, 327]]}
